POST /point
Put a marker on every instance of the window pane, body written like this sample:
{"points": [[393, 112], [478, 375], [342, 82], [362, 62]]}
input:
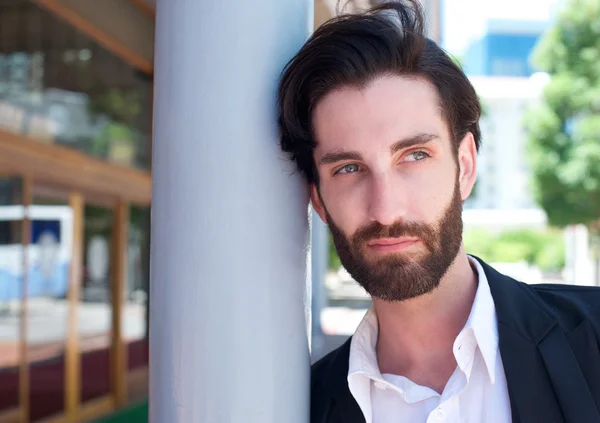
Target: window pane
{"points": [[47, 323], [59, 86], [95, 312], [135, 325], [11, 271]]}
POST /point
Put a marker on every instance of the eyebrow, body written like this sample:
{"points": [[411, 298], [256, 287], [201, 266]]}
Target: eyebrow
{"points": [[341, 155], [418, 139]]}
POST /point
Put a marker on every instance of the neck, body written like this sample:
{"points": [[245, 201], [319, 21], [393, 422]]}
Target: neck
{"points": [[416, 336]]}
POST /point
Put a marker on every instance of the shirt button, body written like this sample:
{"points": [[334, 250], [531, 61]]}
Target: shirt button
{"points": [[439, 414]]}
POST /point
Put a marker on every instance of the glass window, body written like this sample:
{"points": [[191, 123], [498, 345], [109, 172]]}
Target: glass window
{"points": [[49, 262], [11, 272], [58, 86], [505, 66], [135, 322], [95, 312]]}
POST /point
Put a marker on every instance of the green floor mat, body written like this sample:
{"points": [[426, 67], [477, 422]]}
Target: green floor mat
{"points": [[135, 414]]}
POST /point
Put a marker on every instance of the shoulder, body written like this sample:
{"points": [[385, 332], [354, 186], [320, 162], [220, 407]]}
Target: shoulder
{"points": [[566, 291], [328, 379], [520, 303], [570, 303], [334, 363]]}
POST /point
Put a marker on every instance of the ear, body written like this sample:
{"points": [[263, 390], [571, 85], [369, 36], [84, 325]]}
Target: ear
{"points": [[467, 162], [317, 204]]}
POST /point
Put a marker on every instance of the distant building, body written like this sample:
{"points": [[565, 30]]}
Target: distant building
{"points": [[503, 170], [504, 49]]}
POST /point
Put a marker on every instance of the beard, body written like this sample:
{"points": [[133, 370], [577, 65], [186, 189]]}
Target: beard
{"points": [[401, 276]]}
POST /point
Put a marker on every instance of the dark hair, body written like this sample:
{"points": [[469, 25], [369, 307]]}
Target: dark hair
{"points": [[353, 50]]}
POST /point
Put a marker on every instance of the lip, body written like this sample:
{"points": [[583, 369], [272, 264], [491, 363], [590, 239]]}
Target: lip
{"points": [[390, 245]]}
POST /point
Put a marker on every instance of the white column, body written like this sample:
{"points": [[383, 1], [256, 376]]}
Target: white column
{"points": [[579, 263], [228, 337], [319, 264]]}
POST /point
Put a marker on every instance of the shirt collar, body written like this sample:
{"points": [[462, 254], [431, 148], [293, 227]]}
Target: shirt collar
{"points": [[363, 355], [482, 320]]}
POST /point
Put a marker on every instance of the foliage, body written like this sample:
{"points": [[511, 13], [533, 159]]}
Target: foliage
{"points": [[119, 105], [551, 257], [122, 109], [99, 220], [112, 132], [545, 249], [564, 131], [334, 260]]}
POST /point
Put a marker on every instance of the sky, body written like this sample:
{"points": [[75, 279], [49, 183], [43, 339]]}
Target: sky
{"points": [[464, 20]]}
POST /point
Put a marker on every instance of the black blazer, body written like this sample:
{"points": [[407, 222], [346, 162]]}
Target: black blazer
{"points": [[548, 339]]}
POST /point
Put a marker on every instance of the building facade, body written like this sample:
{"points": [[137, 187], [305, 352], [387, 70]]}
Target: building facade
{"points": [[504, 49], [75, 190], [504, 173]]}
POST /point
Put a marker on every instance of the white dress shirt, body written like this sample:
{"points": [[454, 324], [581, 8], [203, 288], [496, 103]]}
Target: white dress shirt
{"points": [[475, 393]]}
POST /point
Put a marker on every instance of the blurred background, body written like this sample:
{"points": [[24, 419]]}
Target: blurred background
{"points": [[76, 93]]}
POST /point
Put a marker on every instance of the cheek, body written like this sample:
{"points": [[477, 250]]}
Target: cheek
{"points": [[346, 206], [441, 195], [427, 194]]}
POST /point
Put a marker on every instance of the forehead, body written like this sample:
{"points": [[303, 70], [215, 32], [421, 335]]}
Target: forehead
{"points": [[387, 109]]}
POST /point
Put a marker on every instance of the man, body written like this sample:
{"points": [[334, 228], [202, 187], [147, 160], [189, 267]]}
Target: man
{"points": [[384, 126]]}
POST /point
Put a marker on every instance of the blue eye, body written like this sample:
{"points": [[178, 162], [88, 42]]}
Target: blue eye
{"points": [[416, 156], [349, 168]]}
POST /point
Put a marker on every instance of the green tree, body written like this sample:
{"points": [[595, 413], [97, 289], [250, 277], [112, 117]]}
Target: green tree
{"points": [[564, 130], [123, 109], [334, 260], [545, 249], [479, 242]]}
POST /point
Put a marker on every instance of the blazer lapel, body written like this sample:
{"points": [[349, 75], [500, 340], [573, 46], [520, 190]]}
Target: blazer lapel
{"points": [[544, 379], [585, 346], [531, 396], [569, 383]]}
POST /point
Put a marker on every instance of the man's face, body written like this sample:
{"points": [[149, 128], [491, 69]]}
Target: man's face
{"points": [[391, 185]]}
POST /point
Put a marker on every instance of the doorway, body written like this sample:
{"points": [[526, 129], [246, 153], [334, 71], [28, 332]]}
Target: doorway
{"points": [[63, 298]]}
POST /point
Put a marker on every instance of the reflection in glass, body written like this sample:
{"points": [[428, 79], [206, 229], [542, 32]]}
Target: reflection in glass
{"points": [[135, 325], [59, 86], [11, 272], [95, 312], [47, 322]]}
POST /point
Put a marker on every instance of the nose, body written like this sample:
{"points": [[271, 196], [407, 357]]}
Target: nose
{"points": [[387, 202]]}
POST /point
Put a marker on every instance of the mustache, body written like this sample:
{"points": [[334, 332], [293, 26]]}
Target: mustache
{"points": [[376, 230]]}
